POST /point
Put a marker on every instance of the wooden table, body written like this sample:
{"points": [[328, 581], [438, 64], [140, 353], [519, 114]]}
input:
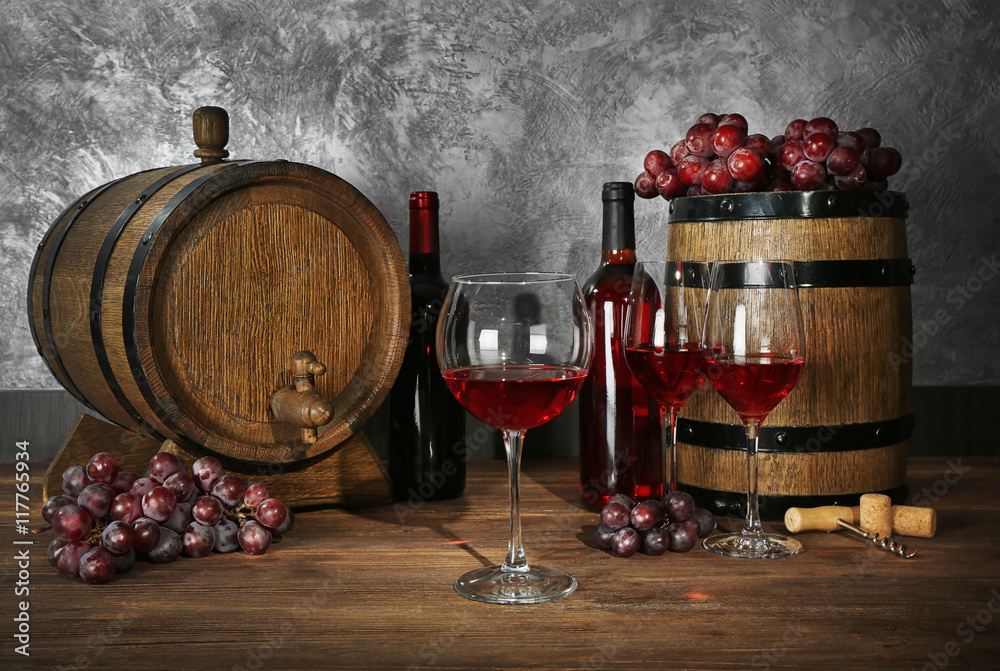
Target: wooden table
{"points": [[372, 589]]}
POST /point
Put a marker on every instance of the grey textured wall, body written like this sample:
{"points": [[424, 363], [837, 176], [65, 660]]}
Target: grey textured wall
{"points": [[516, 112]]}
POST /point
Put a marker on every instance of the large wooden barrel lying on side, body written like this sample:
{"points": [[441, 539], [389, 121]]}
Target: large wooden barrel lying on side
{"points": [[172, 302], [843, 429]]}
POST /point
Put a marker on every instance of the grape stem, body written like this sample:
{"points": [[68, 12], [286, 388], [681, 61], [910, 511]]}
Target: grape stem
{"points": [[41, 529], [241, 514]]}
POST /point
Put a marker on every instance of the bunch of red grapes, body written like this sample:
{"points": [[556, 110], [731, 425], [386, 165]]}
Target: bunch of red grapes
{"points": [[652, 526], [108, 516], [718, 156]]}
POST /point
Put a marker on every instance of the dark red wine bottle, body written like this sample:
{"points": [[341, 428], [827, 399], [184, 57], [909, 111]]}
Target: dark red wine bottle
{"points": [[427, 448], [620, 438]]}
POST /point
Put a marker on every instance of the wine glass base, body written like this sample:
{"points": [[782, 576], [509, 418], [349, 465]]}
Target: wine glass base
{"points": [[767, 546], [491, 584]]}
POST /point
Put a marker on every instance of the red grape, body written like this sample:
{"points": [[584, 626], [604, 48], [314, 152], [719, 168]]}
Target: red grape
{"points": [[181, 518], [255, 495], [780, 182], [841, 161], [182, 485], [167, 549], [716, 178], [603, 536], [123, 482], [710, 118], [68, 558], [286, 526], [271, 513], [735, 120], [72, 523], [876, 185], [124, 563], [207, 510], [141, 486], [625, 542], [727, 139], [96, 499], [682, 535], [655, 542], [793, 131], [678, 506], [703, 521], [870, 136], [103, 467], [656, 162], [198, 540], [690, 170], [97, 566], [206, 471], [645, 516], [118, 537], [818, 146], [126, 507], [824, 125], [163, 464], [853, 181], [229, 489], [645, 187], [791, 154], [808, 175], [851, 140], [226, 533], [254, 538], [745, 187], [147, 534], [699, 139], [55, 547], [50, 507], [694, 191], [159, 503], [623, 499], [679, 152], [746, 165], [774, 147], [884, 162], [759, 143], [614, 515], [74, 480], [669, 184]]}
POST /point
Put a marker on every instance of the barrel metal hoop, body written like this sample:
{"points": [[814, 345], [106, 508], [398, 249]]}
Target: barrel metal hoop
{"points": [[822, 274], [47, 283], [798, 439], [132, 283], [788, 205], [97, 291]]}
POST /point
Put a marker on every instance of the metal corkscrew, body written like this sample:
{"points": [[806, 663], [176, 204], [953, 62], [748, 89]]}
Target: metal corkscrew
{"points": [[887, 543]]}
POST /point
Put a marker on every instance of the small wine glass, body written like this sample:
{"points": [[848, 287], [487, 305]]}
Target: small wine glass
{"points": [[755, 352], [514, 349], [663, 341]]}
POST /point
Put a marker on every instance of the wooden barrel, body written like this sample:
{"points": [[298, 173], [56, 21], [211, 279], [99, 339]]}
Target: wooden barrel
{"points": [[843, 429], [172, 302]]}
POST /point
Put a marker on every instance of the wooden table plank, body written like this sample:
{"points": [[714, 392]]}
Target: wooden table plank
{"points": [[372, 589]]}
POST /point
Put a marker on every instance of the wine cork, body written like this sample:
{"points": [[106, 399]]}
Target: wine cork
{"points": [[876, 514], [913, 521], [823, 518]]}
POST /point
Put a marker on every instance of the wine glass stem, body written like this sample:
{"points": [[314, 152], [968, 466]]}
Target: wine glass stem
{"points": [[668, 421], [516, 562], [752, 529]]}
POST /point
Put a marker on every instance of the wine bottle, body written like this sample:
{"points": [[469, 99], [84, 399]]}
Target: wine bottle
{"points": [[426, 424], [619, 421]]}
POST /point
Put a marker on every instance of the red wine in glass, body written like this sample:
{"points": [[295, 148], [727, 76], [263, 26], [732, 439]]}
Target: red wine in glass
{"points": [[663, 341], [755, 352], [755, 385], [515, 398]]}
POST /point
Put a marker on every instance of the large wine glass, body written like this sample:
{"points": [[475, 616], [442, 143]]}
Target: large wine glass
{"points": [[515, 348], [755, 351], [663, 341]]}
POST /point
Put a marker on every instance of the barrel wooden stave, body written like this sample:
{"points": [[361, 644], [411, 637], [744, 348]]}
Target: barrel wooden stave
{"points": [[849, 376]]}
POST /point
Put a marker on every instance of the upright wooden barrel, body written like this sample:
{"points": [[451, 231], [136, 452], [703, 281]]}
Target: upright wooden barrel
{"points": [[173, 300], [843, 429]]}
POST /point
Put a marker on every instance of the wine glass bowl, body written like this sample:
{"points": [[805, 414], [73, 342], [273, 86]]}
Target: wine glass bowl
{"points": [[663, 341], [754, 347], [514, 349]]}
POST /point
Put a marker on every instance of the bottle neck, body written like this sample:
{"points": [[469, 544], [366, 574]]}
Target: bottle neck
{"points": [[425, 245], [618, 239]]}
